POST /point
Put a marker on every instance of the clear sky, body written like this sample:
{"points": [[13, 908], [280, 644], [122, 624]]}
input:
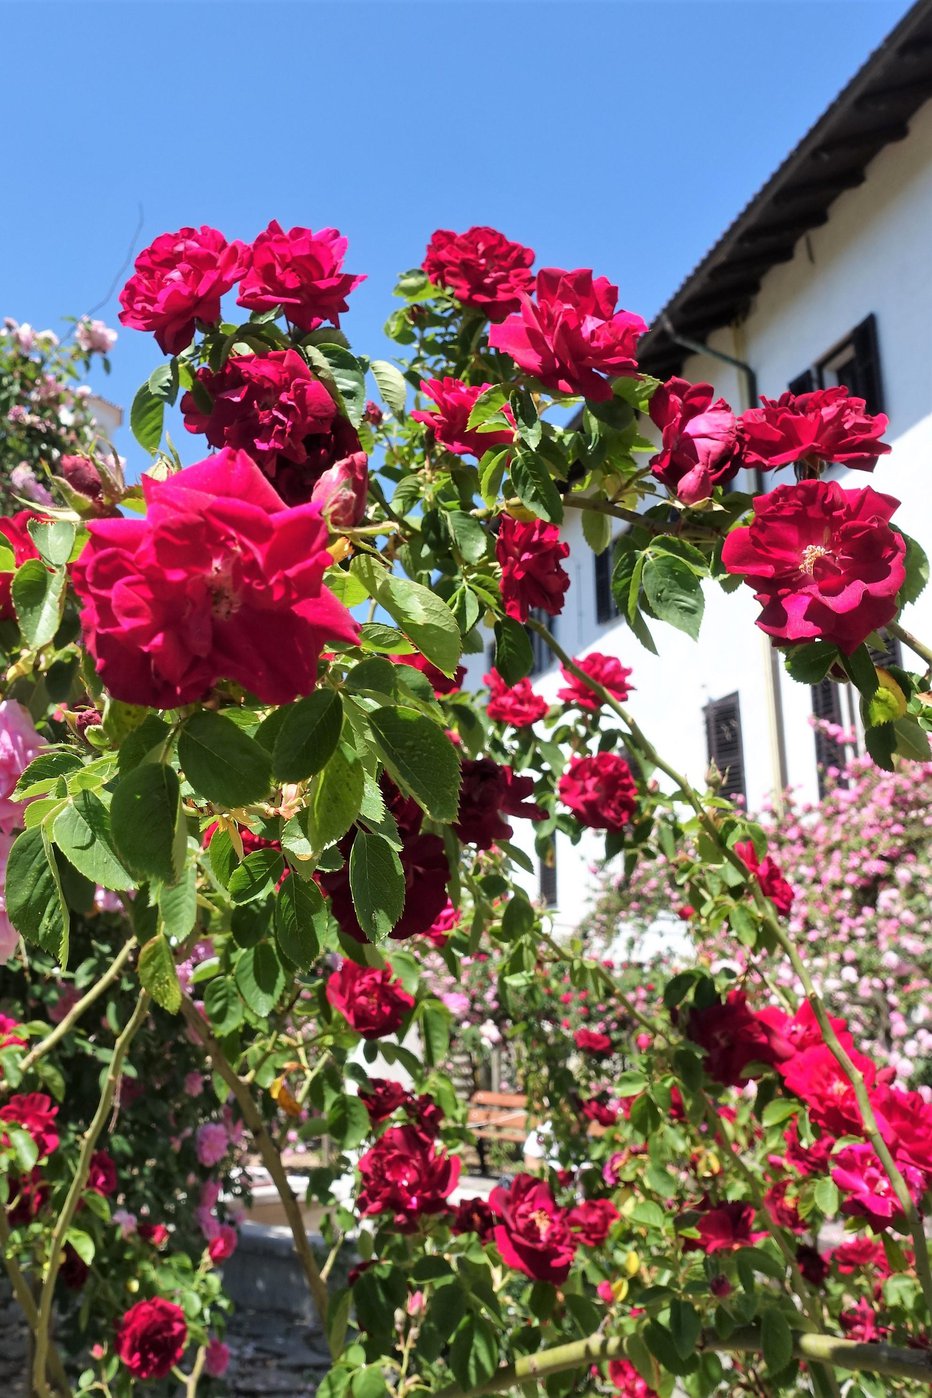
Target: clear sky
{"points": [[622, 135]]}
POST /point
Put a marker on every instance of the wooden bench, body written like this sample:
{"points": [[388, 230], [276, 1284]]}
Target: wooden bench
{"points": [[498, 1117]]}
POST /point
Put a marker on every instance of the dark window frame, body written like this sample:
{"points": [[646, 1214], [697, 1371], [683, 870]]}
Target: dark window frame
{"points": [[862, 347], [726, 750]]}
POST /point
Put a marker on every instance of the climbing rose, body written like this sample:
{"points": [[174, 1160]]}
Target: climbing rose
{"points": [[826, 425], [382, 1098], [724, 1228], [440, 683], [482, 268], [302, 272], [405, 1175], [455, 400], [592, 1221], [816, 1076], [599, 790], [180, 279], [530, 556], [19, 744], [93, 336], [211, 1142], [488, 793], [14, 531], [606, 670], [219, 581], [824, 562], [102, 1175], [572, 338], [767, 873], [216, 1358], [151, 1338], [224, 1244], [35, 1112], [701, 447], [628, 1381], [593, 1041], [517, 705], [474, 1215], [734, 1037], [866, 1188], [531, 1232], [369, 998], [426, 872]]}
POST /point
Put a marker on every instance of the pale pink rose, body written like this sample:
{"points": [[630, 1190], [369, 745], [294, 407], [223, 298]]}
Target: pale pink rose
{"points": [[19, 744], [210, 1193], [211, 1142], [207, 1223], [125, 1221], [93, 337], [194, 1084], [9, 937]]}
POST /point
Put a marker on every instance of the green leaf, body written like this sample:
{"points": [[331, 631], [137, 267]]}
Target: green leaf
{"points": [[25, 1150], [308, 735], [535, 488], [223, 1005], [776, 1340], [158, 974], [144, 814], [337, 797], [341, 371], [300, 921], [178, 904], [474, 1352], [527, 422], [82, 833], [488, 405], [54, 538], [912, 741], [256, 876], [82, 1243], [377, 883], [419, 758], [826, 1196], [223, 763], [347, 1121], [146, 417], [468, 535], [434, 1020], [685, 1325], [674, 593], [862, 672], [492, 469], [421, 614], [597, 530], [392, 385], [810, 661], [39, 600], [917, 572], [260, 978], [514, 655], [34, 901]]}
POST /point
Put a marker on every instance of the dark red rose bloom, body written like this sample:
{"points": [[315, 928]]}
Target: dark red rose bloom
{"points": [[860, 1323], [606, 670], [426, 1114], [532, 576], [518, 705], [532, 1233], [426, 870], [767, 873], [102, 1176], [74, 1271], [720, 1286], [628, 1381], [598, 1110], [592, 1221], [593, 1042], [806, 1160], [489, 792], [440, 683], [9, 1033], [474, 1215], [482, 268], [219, 581], [571, 337], [861, 1252], [28, 1195], [155, 1233], [404, 1175], [223, 1246], [826, 425], [151, 1338], [701, 445], [866, 1188], [449, 421], [35, 1112], [905, 1121], [785, 1210], [382, 1097], [823, 561], [817, 1078], [734, 1037], [85, 479], [300, 271], [812, 1264], [599, 790], [369, 998], [13, 528], [724, 1228], [373, 414], [180, 278]]}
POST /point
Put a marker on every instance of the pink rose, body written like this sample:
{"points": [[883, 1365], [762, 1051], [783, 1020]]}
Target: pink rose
{"points": [[449, 421], [302, 272], [600, 791], [211, 1143], [19, 744], [701, 445], [93, 337], [178, 280]]}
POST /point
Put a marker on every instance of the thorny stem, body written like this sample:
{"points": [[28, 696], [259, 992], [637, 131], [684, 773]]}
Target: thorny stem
{"points": [[91, 1137], [79, 1008], [191, 1380], [910, 641], [28, 1306]]}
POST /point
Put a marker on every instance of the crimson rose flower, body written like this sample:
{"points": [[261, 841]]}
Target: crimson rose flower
{"points": [[219, 581], [13, 528], [860, 1323], [532, 1233], [600, 1111], [734, 1037], [530, 556], [767, 873], [300, 271], [826, 425], [817, 1078], [628, 1381], [599, 790], [866, 1186], [482, 268], [405, 1175], [813, 1265], [102, 1176], [369, 998], [824, 562], [724, 1228], [489, 792], [35, 1112], [151, 1338], [701, 446], [592, 1041], [382, 1098], [861, 1252], [606, 670], [474, 1215], [905, 1121], [517, 705], [455, 400], [179, 279], [592, 1221], [442, 684], [572, 334]]}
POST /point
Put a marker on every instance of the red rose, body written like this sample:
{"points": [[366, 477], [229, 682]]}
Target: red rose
{"points": [[405, 1175], [490, 791], [28, 1196], [474, 1215], [827, 425], [440, 683], [807, 1160], [369, 998], [35, 1112], [155, 1233], [861, 1252], [530, 556], [860, 1323], [179, 279], [734, 1037], [532, 1233], [74, 1271], [224, 1244], [905, 1120], [824, 562], [701, 446], [455, 400], [13, 528], [592, 1221], [426, 870], [815, 1076], [9, 1033], [85, 479], [865, 1185], [482, 268], [599, 790], [426, 1114], [813, 1265], [102, 1176], [628, 1381], [300, 271], [593, 1041], [219, 581], [767, 873], [606, 670], [151, 1338], [572, 334], [598, 1110], [784, 1210], [724, 1228], [382, 1098], [373, 414], [518, 705]]}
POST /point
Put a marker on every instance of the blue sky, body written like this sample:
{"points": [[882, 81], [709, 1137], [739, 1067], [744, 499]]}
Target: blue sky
{"points": [[622, 135]]}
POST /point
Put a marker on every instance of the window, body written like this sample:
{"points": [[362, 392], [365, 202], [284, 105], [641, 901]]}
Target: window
{"points": [[855, 363], [889, 654], [606, 608], [723, 742], [826, 705], [548, 874], [543, 656]]}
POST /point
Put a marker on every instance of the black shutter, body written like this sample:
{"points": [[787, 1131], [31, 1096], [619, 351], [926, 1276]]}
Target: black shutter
{"points": [[723, 742], [548, 875], [543, 656], [605, 608], [869, 383], [826, 705], [888, 654], [803, 383]]}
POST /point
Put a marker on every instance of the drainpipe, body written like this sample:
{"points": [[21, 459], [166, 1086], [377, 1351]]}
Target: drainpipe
{"points": [[778, 762]]}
